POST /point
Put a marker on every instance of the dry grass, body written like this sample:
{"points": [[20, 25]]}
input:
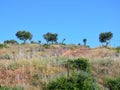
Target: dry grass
{"points": [[32, 66], [33, 73], [105, 68]]}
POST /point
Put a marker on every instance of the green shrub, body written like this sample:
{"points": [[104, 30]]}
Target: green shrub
{"points": [[5, 88], [7, 56], [33, 42], [46, 46], [3, 46], [118, 49], [18, 88], [13, 42], [80, 64], [13, 66], [113, 84], [78, 81]]}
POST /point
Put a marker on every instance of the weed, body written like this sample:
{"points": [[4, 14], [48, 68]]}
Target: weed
{"points": [[7, 56], [1, 65], [13, 66]]}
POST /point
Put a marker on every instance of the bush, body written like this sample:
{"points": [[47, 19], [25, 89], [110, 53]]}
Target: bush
{"points": [[46, 46], [113, 84], [13, 66], [4, 88], [78, 81], [13, 42], [118, 49], [2, 46], [7, 56], [80, 64], [33, 42]]}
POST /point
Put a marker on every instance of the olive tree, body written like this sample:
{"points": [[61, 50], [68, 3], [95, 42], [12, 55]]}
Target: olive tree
{"points": [[105, 37], [24, 35], [50, 37]]}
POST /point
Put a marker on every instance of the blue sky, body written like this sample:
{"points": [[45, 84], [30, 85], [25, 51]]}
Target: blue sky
{"points": [[71, 19]]}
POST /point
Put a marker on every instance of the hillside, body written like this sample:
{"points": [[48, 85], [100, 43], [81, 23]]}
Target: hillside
{"points": [[32, 66]]}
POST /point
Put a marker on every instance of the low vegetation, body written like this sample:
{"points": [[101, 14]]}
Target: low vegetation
{"points": [[2, 46], [78, 81], [113, 84], [11, 88], [80, 64], [12, 42], [55, 66]]}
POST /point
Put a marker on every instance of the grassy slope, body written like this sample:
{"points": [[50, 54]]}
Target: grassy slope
{"points": [[32, 66]]}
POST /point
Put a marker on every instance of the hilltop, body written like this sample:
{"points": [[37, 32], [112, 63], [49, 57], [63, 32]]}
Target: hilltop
{"points": [[29, 51]]}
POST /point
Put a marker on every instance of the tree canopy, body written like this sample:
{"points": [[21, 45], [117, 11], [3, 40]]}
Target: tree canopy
{"points": [[24, 35], [105, 37], [84, 41], [50, 37]]}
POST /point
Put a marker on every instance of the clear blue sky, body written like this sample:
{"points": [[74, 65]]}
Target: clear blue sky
{"points": [[71, 19]]}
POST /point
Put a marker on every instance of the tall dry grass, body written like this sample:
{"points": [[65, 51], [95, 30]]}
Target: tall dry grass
{"points": [[33, 73]]}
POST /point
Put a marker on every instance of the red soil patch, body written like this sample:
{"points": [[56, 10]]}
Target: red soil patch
{"points": [[80, 52], [13, 77]]}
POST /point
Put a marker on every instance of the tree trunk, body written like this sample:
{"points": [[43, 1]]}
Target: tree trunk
{"points": [[52, 42], [24, 42], [84, 43]]}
